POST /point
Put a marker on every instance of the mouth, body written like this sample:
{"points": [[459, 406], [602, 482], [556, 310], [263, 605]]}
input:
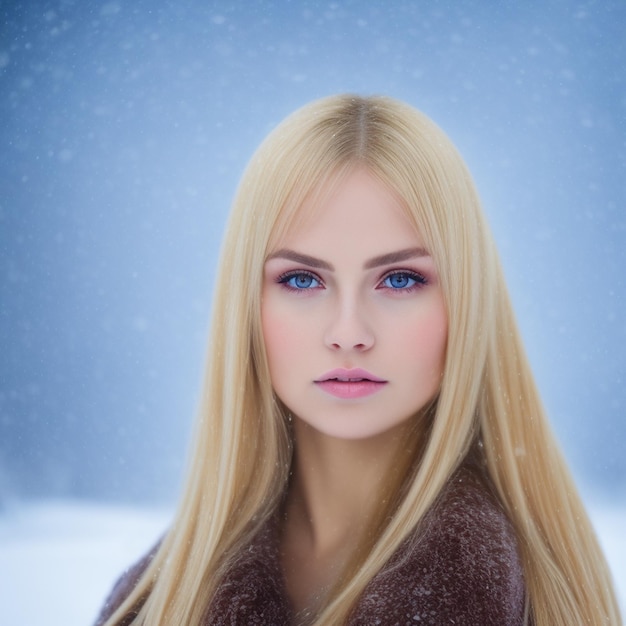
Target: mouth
{"points": [[350, 384], [356, 375]]}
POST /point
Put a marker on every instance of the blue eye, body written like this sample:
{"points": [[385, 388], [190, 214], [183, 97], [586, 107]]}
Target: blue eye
{"points": [[300, 281], [403, 280]]}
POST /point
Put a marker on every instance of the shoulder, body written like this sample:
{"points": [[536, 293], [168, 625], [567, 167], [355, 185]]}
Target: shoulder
{"points": [[468, 522], [461, 566], [123, 587]]}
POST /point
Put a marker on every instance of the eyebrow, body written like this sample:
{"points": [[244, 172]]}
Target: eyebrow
{"points": [[377, 261], [395, 257]]}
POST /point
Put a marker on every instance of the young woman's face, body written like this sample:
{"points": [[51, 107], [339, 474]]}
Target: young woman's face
{"points": [[353, 315]]}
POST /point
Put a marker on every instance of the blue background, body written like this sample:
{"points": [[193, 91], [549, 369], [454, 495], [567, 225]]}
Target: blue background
{"points": [[125, 126]]}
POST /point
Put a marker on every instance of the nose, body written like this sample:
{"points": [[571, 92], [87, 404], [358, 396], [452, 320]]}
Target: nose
{"points": [[348, 329]]}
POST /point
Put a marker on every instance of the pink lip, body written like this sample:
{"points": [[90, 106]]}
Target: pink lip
{"points": [[352, 383]]}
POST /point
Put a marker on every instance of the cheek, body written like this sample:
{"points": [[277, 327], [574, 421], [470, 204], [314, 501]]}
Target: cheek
{"points": [[427, 341], [285, 337], [282, 336], [275, 342]]}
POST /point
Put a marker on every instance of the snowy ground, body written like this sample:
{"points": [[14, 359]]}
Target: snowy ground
{"points": [[59, 559]]}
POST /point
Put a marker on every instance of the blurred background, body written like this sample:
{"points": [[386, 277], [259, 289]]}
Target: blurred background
{"points": [[125, 126]]}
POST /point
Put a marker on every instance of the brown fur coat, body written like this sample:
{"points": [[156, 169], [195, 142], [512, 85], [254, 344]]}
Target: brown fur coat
{"points": [[462, 567]]}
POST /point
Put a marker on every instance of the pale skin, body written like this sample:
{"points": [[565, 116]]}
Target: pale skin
{"points": [[350, 286]]}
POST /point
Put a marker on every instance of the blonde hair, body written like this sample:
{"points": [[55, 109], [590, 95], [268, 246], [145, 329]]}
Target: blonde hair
{"points": [[242, 448]]}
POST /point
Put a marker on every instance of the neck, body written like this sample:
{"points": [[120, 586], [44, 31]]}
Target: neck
{"points": [[339, 486], [337, 498]]}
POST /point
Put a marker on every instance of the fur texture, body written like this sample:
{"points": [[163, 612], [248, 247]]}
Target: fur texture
{"points": [[461, 566]]}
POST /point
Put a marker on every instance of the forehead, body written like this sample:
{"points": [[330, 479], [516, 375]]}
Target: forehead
{"points": [[355, 207]]}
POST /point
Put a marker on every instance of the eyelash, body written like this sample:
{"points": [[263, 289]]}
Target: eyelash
{"points": [[419, 281], [284, 279]]}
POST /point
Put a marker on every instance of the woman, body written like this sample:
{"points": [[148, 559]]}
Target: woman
{"points": [[371, 447]]}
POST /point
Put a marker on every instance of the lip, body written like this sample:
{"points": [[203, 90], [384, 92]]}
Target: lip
{"points": [[350, 383], [349, 375]]}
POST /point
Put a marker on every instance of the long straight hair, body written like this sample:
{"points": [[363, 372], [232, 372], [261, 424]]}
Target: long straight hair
{"points": [[242, 447]]}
